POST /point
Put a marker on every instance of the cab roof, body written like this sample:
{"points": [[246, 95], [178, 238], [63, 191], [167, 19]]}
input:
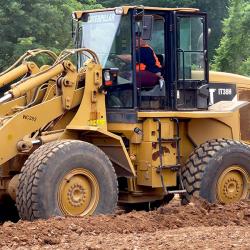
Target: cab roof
{"points": [[125, 9]]}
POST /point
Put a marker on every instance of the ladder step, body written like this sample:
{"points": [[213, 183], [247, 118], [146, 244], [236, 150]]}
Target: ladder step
{"points": [[176, 139], [170, 167], [177, 191]]}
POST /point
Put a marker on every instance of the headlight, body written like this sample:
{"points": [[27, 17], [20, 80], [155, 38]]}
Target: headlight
{"points": [[74, 16], [119, 11], [110, 76], [106, 76]]}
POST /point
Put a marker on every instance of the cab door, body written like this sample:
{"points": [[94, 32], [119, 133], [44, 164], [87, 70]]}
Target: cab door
{"points": [[192, 64]]}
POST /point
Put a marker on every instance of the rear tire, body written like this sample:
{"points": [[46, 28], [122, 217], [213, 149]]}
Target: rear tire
{"points": [[218, 171], [66, 178]]}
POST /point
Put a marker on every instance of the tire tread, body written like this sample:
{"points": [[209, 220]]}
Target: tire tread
{"points": [[195, 166]]}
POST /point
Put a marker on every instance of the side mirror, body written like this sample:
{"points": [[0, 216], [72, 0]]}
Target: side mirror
{"points": [[147, 27]]}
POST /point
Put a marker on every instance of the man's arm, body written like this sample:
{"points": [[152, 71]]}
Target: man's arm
{"points": [[147, 57], [126, 58]]}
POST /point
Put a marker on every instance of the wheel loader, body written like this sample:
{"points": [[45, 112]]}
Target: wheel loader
{"points": [[104, 138]]}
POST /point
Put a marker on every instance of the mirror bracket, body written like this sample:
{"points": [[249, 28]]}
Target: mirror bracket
{"points": [[147, 27]]}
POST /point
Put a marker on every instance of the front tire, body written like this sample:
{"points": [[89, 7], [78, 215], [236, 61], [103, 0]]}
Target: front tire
{"points": [[68, 177], [218, 171]]}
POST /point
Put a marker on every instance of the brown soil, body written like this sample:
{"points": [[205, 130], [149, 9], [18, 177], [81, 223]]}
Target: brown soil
{"points": [[197, 225]]}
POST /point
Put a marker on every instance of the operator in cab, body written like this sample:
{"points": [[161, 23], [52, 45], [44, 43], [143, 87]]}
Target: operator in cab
{"points": [[148, 66]]}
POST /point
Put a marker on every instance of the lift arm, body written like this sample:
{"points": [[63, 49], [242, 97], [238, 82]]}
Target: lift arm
{"points": [[35, 81], [14, 72], [21, 70]]}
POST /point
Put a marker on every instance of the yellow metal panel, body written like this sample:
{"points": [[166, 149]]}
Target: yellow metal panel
{"points": [[243, 88], [92, 111], [167, 127], [127, 130], [186, 142], [201, 130], [123, 126], [23, 123], [240, 81], [150, 130], [234, 123], [28, 121], [187, 114], [117, 138], [148, 155], [7, 107]]}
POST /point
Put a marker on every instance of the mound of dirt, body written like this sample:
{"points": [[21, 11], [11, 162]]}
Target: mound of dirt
{"points": [[59, 230]]}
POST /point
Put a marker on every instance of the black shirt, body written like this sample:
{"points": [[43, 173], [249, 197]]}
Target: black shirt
{"points": [[147, 57]]}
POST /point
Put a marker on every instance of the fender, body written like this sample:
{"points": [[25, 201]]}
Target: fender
{"points": [[109, 143]]}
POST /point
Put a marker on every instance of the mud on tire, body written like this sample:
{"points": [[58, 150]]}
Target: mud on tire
{"points": [[37, 193], [206, 165]]}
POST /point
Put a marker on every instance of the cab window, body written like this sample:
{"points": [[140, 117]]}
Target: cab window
{"points": [[190, 51]]}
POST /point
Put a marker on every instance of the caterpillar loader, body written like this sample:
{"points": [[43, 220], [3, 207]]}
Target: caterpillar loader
{"points": [[104, 138]]}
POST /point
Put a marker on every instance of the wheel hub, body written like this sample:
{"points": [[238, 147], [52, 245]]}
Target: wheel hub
{"points": [[78, 193], [232, 185]]}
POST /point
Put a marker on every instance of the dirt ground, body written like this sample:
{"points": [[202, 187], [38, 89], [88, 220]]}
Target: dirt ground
{"points": [[197, 225]]}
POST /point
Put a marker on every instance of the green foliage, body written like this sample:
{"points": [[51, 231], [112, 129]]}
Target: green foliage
{"points": [[217, 11], [233, 54], [90, 4], [157, 3], [28, 24]]}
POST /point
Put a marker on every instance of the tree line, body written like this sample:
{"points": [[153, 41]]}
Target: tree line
{"points": [[28, 24]]}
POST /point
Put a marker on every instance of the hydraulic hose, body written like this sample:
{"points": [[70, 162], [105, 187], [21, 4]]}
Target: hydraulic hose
{"points": [[27, 55]]}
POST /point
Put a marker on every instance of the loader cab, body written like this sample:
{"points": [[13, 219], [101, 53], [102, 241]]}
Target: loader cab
{"points": [[179, 40]]}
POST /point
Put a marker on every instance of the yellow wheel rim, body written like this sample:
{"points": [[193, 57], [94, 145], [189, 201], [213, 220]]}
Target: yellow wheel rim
{"points": [[233, 185], [78, 193]]}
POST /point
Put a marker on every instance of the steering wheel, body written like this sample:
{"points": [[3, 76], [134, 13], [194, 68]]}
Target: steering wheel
{"points": [[117, 62]]}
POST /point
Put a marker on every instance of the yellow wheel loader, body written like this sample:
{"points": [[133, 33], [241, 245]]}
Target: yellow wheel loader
{"points": [[106, 137]]}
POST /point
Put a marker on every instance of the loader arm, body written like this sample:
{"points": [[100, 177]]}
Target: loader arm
{"points": [[29, 90], [21, 70], [34, 81], [14, 72]]}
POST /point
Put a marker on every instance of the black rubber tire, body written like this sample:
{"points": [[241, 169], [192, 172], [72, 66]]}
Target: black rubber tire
{"points": [[205, 165], [45, 167]]}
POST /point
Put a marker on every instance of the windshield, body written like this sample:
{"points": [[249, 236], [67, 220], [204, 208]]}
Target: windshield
{"points": [[109, 35], [105, 33], [98, 31]]}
